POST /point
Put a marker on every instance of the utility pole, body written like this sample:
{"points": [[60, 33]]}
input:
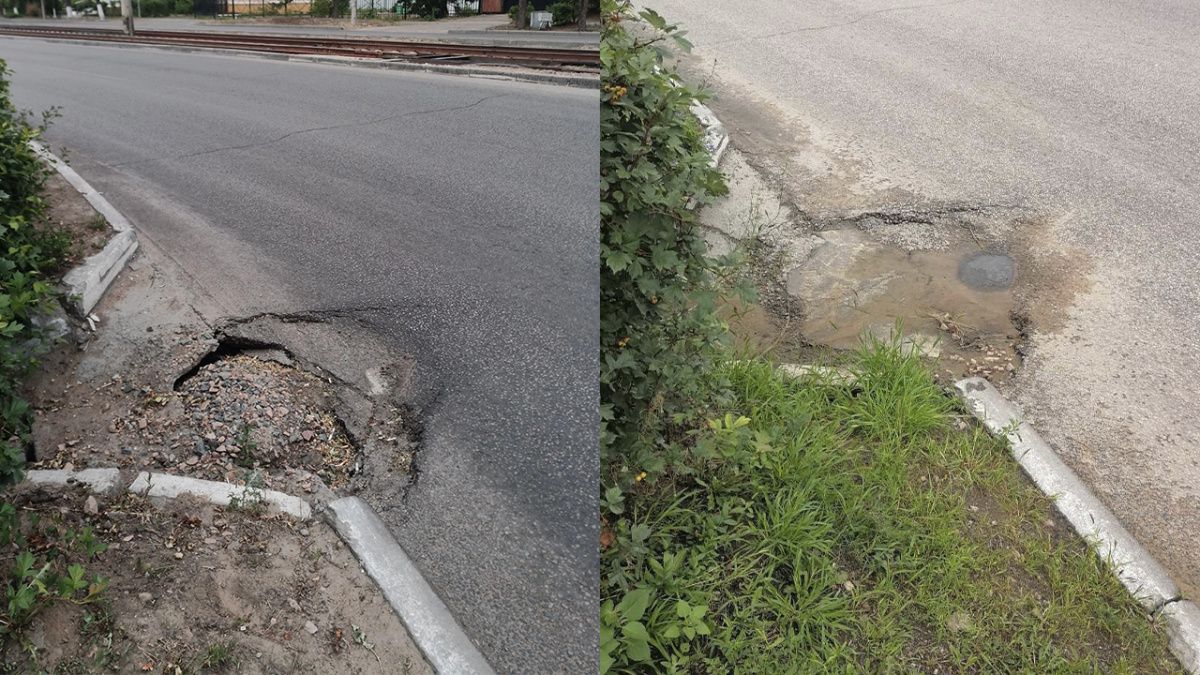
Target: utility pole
{"points": [[522, 14], [353, 12], [127, 16], [43, 9], [582, 20]]}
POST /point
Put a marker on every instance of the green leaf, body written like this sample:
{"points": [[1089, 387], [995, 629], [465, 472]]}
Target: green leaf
{"points": [[634, 604]]}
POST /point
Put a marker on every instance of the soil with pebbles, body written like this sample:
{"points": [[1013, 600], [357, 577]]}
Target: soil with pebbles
{"points": [[195, 588], [237, 416]]}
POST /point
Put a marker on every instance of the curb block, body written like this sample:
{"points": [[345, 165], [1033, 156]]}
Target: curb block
{"points": [[1183, 624], [820, 374], [168, 486], [429, 622], [716, 138], [1132, 564], [87, 282], [102, 481]]}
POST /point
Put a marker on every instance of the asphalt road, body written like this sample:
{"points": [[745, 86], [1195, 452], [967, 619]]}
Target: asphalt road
{"points": [[456, 217], [1086, 113]]}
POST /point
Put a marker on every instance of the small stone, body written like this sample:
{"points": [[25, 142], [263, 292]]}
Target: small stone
{"points": [[307, 434], [958, 622], [304, 532], [142, 424], [90, 506], [145, 597], [293, 604], [179, 555], [310, 627]]}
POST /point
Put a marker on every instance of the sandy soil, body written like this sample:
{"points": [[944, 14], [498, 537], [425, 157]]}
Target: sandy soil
{"points": [[68, 211], [197, 588]]}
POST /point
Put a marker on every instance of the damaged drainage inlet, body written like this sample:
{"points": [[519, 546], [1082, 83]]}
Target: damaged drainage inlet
{"points": [[988, 272]]}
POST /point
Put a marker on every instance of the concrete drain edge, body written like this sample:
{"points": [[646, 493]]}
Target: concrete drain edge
{"points": [[1145, 579], [86, 283], [433, 628]]}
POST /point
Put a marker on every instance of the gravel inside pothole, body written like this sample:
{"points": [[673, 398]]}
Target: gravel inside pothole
{"points": [[243, 414]]}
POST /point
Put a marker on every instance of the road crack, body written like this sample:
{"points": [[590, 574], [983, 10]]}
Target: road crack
{"points": [[331, 127], [857, 19]]}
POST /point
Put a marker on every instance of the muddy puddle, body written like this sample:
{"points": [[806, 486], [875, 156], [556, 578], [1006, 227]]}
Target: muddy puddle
{"points": [[955, 304], [955, 286]]}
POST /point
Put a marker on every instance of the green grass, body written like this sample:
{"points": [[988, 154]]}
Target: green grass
{"points": [[864, 528]]}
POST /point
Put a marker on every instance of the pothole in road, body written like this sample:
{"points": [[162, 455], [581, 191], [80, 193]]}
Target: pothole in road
{"points": [[303, 404], [254, 411], [950, 280]]}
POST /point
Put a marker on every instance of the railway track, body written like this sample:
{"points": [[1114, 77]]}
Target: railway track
{"points": [[352, 47]]}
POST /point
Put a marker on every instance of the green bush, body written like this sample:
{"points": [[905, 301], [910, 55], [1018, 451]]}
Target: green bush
{"points": [[330, 8], [658, 288], [565, 12], [153, 8], [32, 577], [184, 6], [27, 255]]}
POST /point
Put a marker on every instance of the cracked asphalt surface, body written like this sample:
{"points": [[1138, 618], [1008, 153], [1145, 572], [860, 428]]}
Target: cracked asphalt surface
{"points": [[1087, 114], [457, 218]]}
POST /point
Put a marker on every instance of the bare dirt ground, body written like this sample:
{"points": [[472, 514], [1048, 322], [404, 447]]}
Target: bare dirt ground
{"points": [[156, 387], [196, 588], [68, 212], [294, 403]]}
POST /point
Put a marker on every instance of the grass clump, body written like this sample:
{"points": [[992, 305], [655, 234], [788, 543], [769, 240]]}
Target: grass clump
{"points": [[858, 527]]}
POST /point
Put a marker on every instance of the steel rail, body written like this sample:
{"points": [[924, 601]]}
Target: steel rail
{"points": [[341, 46]]}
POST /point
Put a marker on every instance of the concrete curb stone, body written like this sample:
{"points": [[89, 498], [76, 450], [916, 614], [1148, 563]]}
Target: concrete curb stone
{"points": [[101, 481], [1182, 619], [429, 621], [167, 486], [1145, 579], [86, 283]]}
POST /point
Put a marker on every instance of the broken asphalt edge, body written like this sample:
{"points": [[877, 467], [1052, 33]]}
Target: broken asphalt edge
{"points": [[86, 283], [584, 80], [1145, 579], [433, 628]]}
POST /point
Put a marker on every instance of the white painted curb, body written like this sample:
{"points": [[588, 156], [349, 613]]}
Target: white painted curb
{"points": [[429, 622], [820, 374], [86, 284], [716, 138], [168, 486], [1132, 564], [103, 481], [1183, 624]]}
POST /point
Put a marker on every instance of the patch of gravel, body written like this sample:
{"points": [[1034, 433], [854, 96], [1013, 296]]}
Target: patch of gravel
{"points": [[243, 413]]}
